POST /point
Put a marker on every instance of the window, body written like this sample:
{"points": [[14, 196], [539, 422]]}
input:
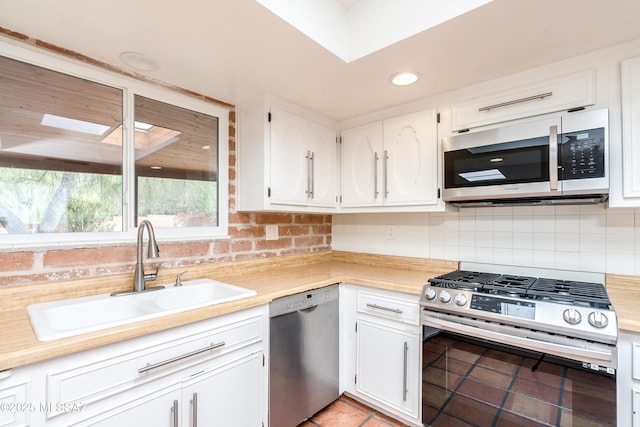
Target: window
{"points": [[176, 165], [76, 164]]}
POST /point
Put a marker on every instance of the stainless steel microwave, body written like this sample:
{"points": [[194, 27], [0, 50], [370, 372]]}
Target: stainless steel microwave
{"points": [[555, 159]]}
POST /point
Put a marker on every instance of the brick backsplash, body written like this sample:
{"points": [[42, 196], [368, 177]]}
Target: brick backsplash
{"points": [[298, 233]]}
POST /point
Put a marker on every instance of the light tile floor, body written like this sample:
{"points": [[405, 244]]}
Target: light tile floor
{"points": [[346, 412]]}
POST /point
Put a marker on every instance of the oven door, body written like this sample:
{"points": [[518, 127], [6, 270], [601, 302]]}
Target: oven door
{"points": [[472, 381]]}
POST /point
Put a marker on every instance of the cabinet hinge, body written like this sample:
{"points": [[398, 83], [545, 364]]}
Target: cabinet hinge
{"points": [[268, 191], [438, 118], [438, 193], [269, 116]]}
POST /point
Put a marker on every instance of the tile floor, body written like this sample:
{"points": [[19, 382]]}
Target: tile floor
{"points": [[346, 412]]}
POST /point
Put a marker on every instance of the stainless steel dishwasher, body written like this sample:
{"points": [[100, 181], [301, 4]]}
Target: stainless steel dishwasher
{"points": [[303, 368]]}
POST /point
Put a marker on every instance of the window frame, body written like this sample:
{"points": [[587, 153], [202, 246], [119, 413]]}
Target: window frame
{"points": [[130, 87]]}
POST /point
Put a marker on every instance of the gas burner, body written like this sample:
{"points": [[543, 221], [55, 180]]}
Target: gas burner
{"points": [[570, 292], [512, 286], [463, 280]]}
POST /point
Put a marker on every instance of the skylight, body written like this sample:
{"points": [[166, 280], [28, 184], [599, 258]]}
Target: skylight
{"points": [[366, 26]]}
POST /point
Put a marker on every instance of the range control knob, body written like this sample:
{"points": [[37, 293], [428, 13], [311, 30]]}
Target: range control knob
{"points": [[572, 316], [429, 294], [461, 300], [445, 296], [598, 319]]}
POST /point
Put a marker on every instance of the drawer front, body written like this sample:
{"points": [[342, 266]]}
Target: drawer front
{"points": [[562, 93], [104, 377], [389, 307]]}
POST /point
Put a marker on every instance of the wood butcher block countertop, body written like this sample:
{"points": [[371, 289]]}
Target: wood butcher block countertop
{"points": [[270, 278], [624, 293]]}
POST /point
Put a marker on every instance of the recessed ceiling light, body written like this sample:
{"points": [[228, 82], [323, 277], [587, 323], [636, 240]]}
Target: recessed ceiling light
{"points": [[206, 147], [156, 167], [139, 61], [405, 78]]}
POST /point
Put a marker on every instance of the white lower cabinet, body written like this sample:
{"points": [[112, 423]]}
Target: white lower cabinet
{"points": [[387, 364], [381, 352], [226, 396], [210, 372], [628, 379]]}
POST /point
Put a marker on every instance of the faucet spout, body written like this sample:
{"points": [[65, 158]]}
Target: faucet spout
{"points": [[139, 277]]}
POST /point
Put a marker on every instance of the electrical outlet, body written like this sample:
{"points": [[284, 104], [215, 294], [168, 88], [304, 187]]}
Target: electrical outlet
{"points": [[271, 232], [391, 232]]}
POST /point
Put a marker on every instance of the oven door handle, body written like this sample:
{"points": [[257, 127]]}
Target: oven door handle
{"points": [[535, 344]]}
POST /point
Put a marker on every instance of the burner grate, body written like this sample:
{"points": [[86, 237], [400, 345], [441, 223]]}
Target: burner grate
{"points": [[570, 292], [463, 279]]}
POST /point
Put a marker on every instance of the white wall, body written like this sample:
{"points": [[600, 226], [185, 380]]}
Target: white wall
{"points": [[585, 238]]}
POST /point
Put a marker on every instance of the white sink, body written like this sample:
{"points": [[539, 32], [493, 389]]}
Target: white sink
{"points": [[65, 318]]}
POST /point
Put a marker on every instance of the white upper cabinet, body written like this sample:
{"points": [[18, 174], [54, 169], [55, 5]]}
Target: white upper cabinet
{"points": [[631, 128], [391, 163], [561, 93], [362, 151], [286, 158]]}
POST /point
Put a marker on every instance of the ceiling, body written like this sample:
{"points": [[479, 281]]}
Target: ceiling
{"points": [[235, 50]]}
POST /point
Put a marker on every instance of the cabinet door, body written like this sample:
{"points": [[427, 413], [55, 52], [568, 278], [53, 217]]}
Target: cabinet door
{"points": [[289, 180], [161, 409], [361, 166], [411, 159], [321, 142], [631, 127], [388, 366], [230, 395]]}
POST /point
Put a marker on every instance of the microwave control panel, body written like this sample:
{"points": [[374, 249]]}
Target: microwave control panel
{"points": [[582, 154]]}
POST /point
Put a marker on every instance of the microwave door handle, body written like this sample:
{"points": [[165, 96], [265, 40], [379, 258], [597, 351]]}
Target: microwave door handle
{"points": [[553, 158]]}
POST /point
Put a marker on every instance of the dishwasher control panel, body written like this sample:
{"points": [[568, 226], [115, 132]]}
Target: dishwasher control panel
{"points": [[302, 300]]}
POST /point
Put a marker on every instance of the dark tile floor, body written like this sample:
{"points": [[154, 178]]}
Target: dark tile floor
{"points": [[469, 385], [346, 412]]}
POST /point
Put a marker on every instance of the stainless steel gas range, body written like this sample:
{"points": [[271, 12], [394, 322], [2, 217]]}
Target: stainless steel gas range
{"points": [[533, 319]]}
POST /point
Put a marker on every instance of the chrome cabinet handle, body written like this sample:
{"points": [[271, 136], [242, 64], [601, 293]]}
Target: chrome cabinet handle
{"points": [[150, 367], [405, 372], [386, 172], [553, 158], [380, 307], [375, 174], [194, 410], [174, 412], [313, 175], [516, 101], [308, 157]]}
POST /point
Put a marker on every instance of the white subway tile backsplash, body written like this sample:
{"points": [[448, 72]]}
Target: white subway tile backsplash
{"points": [[569, 223], [593, 242], [544, 241], [568, 261], [544, 224], [620, 264], [620, 243], [584, 237], [523, 240], [567, 242]]}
